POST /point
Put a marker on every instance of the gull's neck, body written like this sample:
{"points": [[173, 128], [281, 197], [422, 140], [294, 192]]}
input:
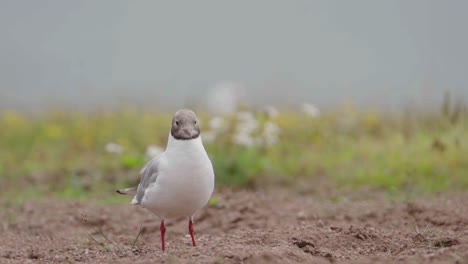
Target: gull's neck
{"points": [[186, 145]]}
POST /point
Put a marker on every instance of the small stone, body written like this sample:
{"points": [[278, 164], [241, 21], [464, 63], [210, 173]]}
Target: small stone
{"points": [[301, 215]]}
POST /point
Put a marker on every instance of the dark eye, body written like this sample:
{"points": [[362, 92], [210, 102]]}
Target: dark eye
{"points": [[195, 122], [177, 123]]}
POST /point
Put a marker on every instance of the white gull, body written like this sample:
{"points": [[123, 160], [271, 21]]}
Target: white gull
{"points": [[179, 181]]}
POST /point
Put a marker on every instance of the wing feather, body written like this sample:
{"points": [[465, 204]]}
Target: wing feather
{"points": [[148, 174]]}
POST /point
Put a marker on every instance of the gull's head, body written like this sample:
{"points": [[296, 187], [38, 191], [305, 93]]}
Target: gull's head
{"points": [[185, 125]]}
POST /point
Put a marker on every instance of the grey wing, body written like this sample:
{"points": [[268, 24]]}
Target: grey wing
{"points": [[149, 174]]}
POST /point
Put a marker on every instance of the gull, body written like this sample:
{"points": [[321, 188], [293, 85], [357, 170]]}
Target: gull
{"points": [[179, 181]]}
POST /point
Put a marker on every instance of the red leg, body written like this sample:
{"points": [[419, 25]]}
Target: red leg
{"points": [[163, 233], [190, 228]]}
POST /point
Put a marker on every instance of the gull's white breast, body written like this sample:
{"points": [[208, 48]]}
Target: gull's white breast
{"points": [[185, 180]]}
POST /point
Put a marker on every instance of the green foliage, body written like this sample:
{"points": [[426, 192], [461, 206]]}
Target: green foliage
{"points": [[236, 166], [213, 201], [65, 153], [131, 162]]}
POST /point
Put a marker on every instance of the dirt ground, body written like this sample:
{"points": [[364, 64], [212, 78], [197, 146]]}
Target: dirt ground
{"points": [[243, 227]]}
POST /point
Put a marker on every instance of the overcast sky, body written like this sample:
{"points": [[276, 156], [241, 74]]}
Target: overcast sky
{"points": [[96, 53]]}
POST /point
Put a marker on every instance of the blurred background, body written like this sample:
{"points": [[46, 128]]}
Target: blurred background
{"points": [[348, 94]]}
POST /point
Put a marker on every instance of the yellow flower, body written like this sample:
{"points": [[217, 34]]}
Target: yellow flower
{"points": [[53, 131], [12, 119], [371, 121]]}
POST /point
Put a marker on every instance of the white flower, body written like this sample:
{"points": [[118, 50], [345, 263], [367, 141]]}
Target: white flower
{"points": [[310, 110], [243, 139], [271, 133], [247, 127], [271, 129], [248, 124], [153, 151], [114, 148], [245, 116], [217, 124], [244, 129], [208, 136], [271, 111]]}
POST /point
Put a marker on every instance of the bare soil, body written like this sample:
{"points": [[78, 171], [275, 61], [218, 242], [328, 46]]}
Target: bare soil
{"points": [[243, 227]]}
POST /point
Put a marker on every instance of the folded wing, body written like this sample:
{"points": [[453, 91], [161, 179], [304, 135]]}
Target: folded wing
{"points": [[148, 174]]}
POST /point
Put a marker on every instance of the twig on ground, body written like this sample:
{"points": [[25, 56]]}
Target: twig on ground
{"points": [[136, 239], [98, 243]]}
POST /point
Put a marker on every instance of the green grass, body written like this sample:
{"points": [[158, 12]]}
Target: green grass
{"points": [[63, 154]]}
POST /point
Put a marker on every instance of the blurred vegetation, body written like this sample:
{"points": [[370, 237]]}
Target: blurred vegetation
{"points": [[64, 154]]}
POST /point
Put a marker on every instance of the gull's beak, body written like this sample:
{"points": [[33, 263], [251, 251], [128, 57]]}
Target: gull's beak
{"points": [[188, 132]]}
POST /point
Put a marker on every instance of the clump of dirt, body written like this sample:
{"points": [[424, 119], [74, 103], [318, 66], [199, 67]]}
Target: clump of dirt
{"points": [[242, 227]]}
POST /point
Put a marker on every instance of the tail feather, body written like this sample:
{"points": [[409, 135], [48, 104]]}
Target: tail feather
{"points": [[135, 201], [127, 191]]}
